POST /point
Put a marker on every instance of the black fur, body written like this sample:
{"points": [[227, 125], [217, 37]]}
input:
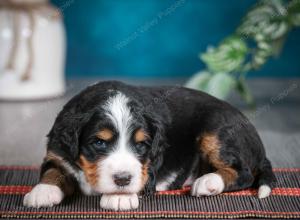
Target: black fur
{"points": [[174, 117]]}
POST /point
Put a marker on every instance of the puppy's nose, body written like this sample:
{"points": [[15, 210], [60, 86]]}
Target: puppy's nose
{"points": [[122, 179]]}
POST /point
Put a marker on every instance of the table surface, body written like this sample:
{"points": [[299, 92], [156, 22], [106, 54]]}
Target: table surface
{"points": [[24, 125]]}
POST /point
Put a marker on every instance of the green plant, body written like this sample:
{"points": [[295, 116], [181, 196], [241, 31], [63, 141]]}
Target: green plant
{"points": [[260, 36]]}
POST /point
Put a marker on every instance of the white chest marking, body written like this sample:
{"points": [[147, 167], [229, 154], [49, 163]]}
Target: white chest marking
{"points": [[85, 187]]}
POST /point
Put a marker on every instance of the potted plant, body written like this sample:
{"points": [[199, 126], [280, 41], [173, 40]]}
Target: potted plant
{"points": [[260, 36]]}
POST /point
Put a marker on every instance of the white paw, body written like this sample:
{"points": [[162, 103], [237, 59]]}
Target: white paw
{"points": [[119, 202], [43, 195], [208, 185], [264, 191]]}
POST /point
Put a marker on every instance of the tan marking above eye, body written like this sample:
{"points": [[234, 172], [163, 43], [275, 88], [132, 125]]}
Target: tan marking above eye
{"points": [[105, 134], [140, 136]]}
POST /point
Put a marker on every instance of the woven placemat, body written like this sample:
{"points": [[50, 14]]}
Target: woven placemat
{"points": [[283, 203]]}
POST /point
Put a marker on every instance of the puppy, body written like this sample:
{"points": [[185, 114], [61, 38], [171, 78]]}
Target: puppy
{"points": [[120, 140]]}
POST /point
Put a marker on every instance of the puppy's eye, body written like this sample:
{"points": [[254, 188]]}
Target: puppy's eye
{"points": [[100, 143], [141, 144], [141, 148]]}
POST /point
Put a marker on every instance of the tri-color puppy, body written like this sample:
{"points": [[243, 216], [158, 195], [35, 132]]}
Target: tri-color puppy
{"points": [[120, 140]]}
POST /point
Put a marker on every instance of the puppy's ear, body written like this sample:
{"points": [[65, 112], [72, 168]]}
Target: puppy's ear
{"points": [[64, 135], [157, 126]]}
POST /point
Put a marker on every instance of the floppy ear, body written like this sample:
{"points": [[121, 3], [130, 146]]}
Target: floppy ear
{"points": [[157, 126], [63, 138]]}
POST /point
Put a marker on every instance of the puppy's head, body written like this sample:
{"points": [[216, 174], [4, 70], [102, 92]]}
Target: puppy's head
{"points": [[114, 145]]}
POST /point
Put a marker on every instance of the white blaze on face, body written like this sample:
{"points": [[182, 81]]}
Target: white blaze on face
{"points": [[122, 159]]}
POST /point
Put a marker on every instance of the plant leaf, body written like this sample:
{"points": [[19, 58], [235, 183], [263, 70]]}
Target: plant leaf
{"points": [[220, 85], [268, 18], [294, 12], [244, 91], [199, 80], [227, 57]]}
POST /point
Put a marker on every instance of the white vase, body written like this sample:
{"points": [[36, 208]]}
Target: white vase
{"points": [[32, 50]]}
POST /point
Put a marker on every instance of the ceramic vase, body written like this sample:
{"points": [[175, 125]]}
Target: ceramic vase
{"points": [[32, 50]]}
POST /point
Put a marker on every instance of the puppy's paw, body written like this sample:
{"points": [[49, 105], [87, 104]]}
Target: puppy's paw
{"points": [[43, 195], [264, 191], [208, 185], [119, 202]]}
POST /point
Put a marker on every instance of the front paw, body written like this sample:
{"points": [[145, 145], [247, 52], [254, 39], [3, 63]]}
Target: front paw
{"points": [[119, 201], [43, 195]]}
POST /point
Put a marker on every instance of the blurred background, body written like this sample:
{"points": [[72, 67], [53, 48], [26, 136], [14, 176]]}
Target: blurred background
{"points": [[149, 42], [134, 38]]}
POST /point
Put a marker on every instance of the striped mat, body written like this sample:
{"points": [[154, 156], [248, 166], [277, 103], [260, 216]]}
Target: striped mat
{"points": [[283, 203]]}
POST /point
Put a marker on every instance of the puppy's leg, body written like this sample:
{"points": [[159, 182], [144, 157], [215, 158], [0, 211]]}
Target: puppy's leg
{"points": [[230, 173], [54, 185]]}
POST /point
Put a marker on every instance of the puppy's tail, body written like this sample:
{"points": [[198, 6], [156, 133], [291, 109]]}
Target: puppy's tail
{"points": [[266, 179]]}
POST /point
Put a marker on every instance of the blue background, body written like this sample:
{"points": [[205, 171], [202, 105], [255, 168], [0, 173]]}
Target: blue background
{"points": [[156, 44]]}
